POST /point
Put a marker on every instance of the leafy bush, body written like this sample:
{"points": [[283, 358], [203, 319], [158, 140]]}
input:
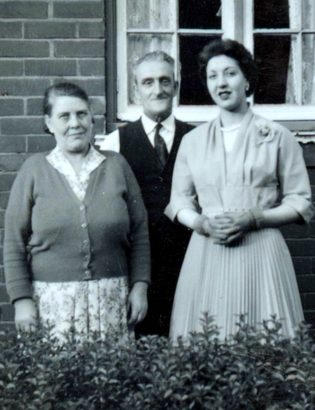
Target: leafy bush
{"points": [[254, 370]]}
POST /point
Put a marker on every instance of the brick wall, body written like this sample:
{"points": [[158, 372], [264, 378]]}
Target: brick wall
{"points": [[42, 42]]}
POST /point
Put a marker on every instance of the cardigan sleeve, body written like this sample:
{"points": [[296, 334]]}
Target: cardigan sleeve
{"points": [[139, 257], [294, 182], [17, 232], [183, 193]]}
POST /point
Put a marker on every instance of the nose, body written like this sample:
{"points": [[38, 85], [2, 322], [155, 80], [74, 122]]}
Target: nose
{"points": [[157, 88], [222, 80], [74, 121]]}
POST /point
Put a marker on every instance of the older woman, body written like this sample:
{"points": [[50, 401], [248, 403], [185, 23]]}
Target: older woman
{"points": [[229, 176], [76, 237]]}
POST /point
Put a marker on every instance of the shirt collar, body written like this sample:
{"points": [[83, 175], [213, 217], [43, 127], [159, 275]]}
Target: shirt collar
{"points": [[149, 125]]}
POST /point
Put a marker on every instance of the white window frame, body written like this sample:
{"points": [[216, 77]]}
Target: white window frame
{"points": [[238, 24]]}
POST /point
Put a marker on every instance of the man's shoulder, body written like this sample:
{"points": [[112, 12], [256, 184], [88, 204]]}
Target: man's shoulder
{"points": [[180, 125], [129, 126]]}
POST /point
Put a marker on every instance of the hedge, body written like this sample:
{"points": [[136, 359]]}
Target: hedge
{"points": [[253, 370]]}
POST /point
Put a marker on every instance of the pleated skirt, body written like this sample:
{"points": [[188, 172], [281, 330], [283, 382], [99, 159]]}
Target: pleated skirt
{"points": [[84, 310], [255, 278]]}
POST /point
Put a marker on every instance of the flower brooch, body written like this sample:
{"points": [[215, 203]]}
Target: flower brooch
{"points": [[266, 131]]}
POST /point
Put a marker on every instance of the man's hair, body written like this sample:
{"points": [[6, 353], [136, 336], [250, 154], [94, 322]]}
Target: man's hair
{"points": [[154, 56]]}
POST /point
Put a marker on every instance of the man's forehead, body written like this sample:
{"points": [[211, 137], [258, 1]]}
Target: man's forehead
{"points": [[154, 69]]}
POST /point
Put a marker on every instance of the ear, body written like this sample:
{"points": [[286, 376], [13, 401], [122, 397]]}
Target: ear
{"points": [[176, 87], [47, 122]]}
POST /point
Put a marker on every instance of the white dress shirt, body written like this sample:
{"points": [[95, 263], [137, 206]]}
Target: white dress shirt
{"points": [[167, 132]]}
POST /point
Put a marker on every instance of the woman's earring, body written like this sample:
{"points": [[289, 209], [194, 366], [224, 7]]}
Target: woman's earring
{"points": [[247, 87]]}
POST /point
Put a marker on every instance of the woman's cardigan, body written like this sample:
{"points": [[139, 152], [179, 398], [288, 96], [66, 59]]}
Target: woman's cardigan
{"points": [[50, 235]]}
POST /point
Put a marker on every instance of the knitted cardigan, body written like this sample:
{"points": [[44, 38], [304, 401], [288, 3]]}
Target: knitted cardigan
{"points": [[50, 235]]}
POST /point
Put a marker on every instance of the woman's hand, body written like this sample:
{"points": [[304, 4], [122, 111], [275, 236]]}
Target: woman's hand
{"points": [[138, 302], [229, 227], [25, 315]]}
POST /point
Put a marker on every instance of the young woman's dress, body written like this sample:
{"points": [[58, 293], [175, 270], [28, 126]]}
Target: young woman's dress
{"points": [[255, 276]]}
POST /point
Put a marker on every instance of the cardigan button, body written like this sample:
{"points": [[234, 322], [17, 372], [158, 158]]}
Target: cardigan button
{"points": [[82, 207], [84, 225], [87, 273]]}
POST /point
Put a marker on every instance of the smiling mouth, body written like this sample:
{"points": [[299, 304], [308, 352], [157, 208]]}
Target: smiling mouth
{"points": [[224, 94]]}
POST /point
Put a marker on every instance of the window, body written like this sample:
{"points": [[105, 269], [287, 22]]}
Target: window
{"points": [[281, 35]]}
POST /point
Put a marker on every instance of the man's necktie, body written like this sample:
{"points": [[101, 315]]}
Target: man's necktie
{"points": [[160, 146]]}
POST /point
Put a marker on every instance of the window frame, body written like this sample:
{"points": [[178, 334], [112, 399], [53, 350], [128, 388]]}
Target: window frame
{"points": [[237, 23]]}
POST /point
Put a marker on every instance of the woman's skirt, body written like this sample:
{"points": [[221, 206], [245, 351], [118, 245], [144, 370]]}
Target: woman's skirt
{"points": [[85, 310], [254, 277]]}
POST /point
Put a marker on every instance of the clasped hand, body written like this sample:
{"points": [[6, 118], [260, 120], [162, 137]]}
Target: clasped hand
{"points": [[228, 227]]}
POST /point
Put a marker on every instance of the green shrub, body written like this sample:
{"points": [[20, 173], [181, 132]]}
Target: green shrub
{"points": [[255, 370]]}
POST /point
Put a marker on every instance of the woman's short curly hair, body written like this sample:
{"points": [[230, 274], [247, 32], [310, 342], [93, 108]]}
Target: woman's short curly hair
{"points": [[232, 49], [62, 90]]}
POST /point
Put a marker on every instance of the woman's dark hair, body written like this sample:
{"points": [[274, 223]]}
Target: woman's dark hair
{"points": [[234, 50], [62, 90]]}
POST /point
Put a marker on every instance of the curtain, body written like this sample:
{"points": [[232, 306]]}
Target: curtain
{"points": [[301, 91]]}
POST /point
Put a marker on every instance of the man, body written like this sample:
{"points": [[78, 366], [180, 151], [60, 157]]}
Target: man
{"points": [[150, 146]]}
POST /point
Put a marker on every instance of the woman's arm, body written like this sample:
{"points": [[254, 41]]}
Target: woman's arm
{"points": [[138, 302], [17, 232]]}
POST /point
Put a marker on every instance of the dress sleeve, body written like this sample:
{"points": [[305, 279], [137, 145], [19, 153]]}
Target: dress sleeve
{"points": [[139, 257], [183, 193], [294, 184], [17, 233]]}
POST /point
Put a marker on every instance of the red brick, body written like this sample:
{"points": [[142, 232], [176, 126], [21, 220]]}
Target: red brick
{"points": [[11, 68], [98, 105], [49, 29], [2, 280], [6, 181], [10, 29], [34, 106], [40, 144], [3, 294], [24, 48], [92, 67], [22, 126], [12, 144], [99, 125], [11, 163], [23, 87], [310, 317], [309, 301], [24, 10], [4, 198], [302, 266], [7, 314], [79, 48], [11, 106], [7, 326], [78, 10], [92, 30], [93, 86], [1, 220], [50, 68], [306, 283], [301, 247], [295, 231]]}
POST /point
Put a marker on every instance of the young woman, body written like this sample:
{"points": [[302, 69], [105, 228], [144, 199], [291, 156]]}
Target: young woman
{"points": [[237, 179], [76, 236]]}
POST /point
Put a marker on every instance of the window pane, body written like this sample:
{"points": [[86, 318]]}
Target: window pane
{"points": [[308, 14], [193, 91], [272, 55], [150, 14], [202, 14], [308, 89], [138, 46], [271, 14]]}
